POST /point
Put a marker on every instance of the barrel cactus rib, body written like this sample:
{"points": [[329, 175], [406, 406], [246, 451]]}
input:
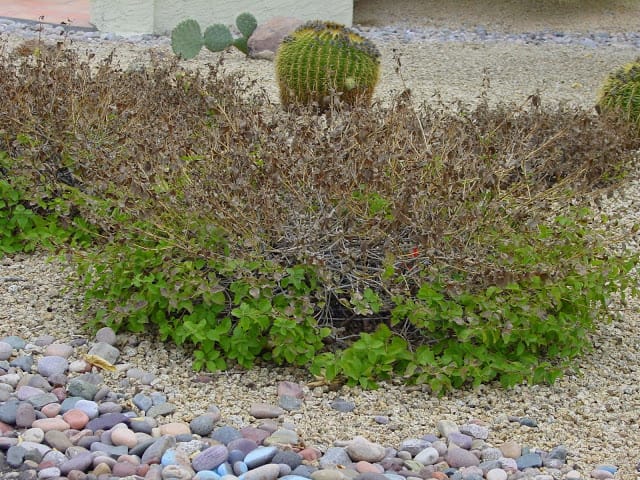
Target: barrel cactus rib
{"points": [[620, 93], [320, 59]]}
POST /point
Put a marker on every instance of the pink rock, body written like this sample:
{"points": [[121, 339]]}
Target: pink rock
{"points": [[4, 428], [310, 454], [76, 475], [362, 449], [256, 434], [51, 410], [175, 428], [76, 418], [142, 469], [265, 410], [60, 393], [511, 449], [459, 457], [266, 39], [123, 469], [366, 467], [134, 459], [76, 437], [290, 389], [46, 424], [124, 436], [59, 350], [80, 366]]}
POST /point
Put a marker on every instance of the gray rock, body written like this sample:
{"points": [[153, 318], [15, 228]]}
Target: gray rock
{"points": [[142, 401], [107, 421], [105, 351], [15, 342], [141, 426], [282, 436], [142, 447], [529, 460], [460, 439], [89, 407], [475, 431], [106, 335], [161, 410], [414, 445], [428, 456], [51, 365], [226, 435], [528, 422], [15, 456], [342, 405], [288, 457], [260, 456], [5, 351], [266, 38], [8, 411], [81, 462], [334, 456], [289, 403], [203, 424], [446, 427], [371, 476], [111, 450], [264, 472], [154, 452], [560, 453], [44, 340], [23, 362], [39, 401]]}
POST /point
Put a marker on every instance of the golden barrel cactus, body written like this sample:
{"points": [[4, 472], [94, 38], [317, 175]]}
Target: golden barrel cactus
{"points": [[322, 59], [620, 93]]}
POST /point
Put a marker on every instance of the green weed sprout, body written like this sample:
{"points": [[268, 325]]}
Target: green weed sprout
{"points": [[187, 38]]}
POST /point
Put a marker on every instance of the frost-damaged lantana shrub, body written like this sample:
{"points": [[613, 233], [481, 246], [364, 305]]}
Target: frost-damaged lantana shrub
{"points": [[341, 243]]}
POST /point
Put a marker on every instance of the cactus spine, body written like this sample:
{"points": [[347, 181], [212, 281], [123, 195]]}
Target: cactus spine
{"points": [[320, 59], [187, 39], [620, 93]]}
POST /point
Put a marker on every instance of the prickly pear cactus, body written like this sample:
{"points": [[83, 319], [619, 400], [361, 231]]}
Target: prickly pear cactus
{"points": [[620, 93], [320, 59], [186, 39]]}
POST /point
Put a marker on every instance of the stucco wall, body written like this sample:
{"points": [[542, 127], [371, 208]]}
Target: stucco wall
{"points": [[160, 16]]}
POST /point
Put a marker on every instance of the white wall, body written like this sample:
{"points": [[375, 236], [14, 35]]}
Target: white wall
{"points": [[160, 16]]}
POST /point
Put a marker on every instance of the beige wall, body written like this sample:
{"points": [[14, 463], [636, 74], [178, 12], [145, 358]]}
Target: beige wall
{"points": [[160, 16]]}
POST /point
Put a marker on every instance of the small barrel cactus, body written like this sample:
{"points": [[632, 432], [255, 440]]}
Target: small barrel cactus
{"points": [[620, 93], [187, 38], [321, 59]]}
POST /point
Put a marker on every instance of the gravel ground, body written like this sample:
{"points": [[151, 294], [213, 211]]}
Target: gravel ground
{"points": [[594, 413]]}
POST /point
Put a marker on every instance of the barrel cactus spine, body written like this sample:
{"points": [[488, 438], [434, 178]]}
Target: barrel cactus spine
{"points": [[187, 39], [620, 93], [321, 59]]}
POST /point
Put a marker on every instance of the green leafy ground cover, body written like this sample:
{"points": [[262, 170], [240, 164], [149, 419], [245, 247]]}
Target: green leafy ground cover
{"points": [[439, 244]]}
